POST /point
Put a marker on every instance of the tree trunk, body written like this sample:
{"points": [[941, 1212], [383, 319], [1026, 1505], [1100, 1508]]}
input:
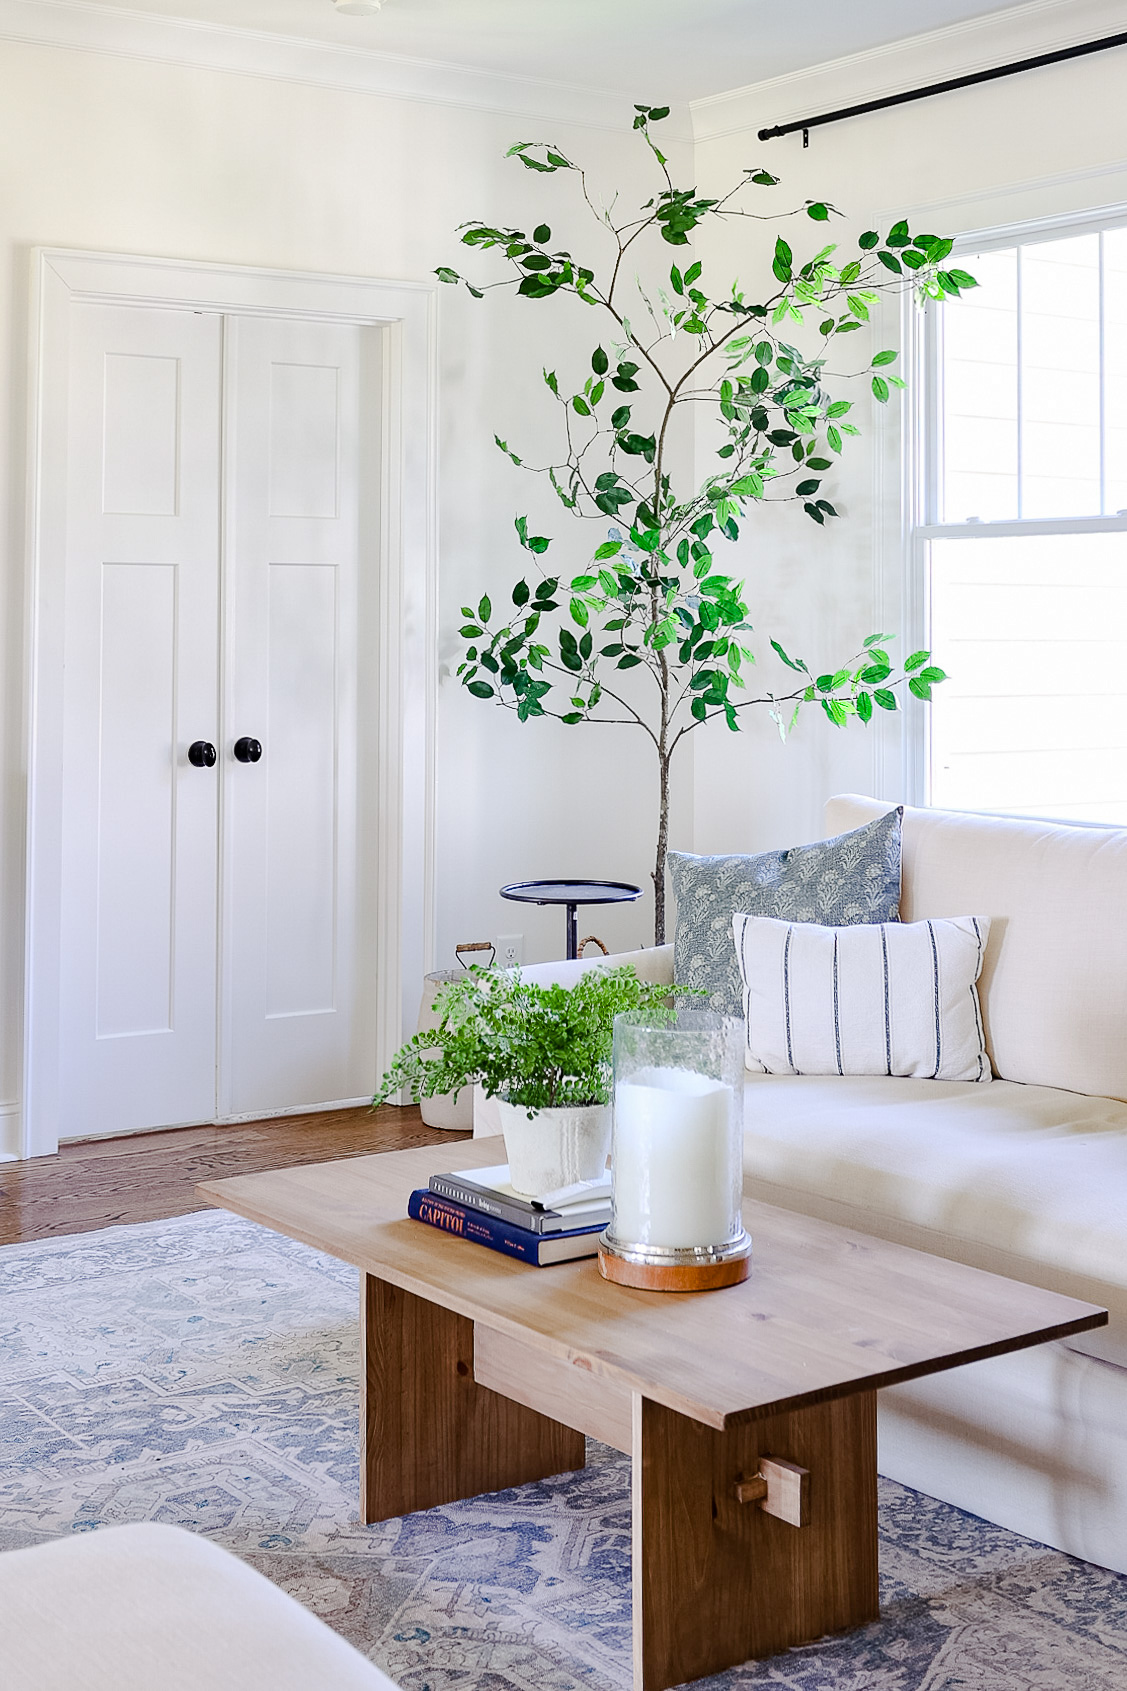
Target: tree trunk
{"points": [[662, 843]]}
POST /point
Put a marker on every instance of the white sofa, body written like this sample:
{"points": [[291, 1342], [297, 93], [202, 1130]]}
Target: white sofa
{"points": [[1026, 1176], [155, 1608]]}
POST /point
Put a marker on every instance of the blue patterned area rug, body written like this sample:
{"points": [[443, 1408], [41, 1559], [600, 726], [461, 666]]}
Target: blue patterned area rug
{"points": [[203, 1371]]}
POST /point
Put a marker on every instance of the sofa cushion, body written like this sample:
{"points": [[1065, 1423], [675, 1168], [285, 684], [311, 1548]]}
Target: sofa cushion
{"points": [[877, 998], [154, 1608], [1054, 985], [1025, 1181], [852, 878]]}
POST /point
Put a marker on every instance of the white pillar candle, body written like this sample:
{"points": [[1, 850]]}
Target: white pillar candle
{"points": [[675, 1182]]}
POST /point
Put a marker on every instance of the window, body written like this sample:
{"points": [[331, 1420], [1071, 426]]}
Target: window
{"points": [[1025, 531]]}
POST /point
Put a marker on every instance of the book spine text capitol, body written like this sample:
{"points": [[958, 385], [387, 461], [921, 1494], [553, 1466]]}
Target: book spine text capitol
{"points": [[482, 1229]]}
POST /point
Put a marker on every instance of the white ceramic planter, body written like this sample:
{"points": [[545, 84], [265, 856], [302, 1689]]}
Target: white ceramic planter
{"points": [[555, 1147]]}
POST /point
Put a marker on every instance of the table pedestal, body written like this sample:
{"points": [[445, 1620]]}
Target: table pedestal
{"points": [[716, 1581]]}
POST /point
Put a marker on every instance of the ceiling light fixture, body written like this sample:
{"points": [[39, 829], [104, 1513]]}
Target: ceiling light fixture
{"points": [[357, 8]]}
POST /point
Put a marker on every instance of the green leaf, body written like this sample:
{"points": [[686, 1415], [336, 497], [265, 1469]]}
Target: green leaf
{"points": [[583, 583], [480, 689], [864, 706], [763, 178], [858, 307], [600, 363], [749, 486], [807, 487], [886, 699], [899, 235], [484, 609], [628, 662], [609, 549], [445, 274], [885, 358], [920, 687], [933, 675], [963, 278], [783, 259], [869, 240], [875, 674], [520, 593], [791, 663], [579, 612], [916, 661], [833, 437], [819, 211], [620, 418], [891, 262], [542, 234], [880, 388], [580, 405]]}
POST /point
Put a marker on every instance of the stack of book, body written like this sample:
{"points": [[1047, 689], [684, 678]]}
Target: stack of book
{"points": [[479, 1204]]}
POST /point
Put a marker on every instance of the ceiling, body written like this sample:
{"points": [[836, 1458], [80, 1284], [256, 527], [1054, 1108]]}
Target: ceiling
{"points": [[673, 50]]}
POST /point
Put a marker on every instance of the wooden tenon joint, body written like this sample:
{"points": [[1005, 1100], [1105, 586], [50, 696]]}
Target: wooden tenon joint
{"points": [[780, 1488]]}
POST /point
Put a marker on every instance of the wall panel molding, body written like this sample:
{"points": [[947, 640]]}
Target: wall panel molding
{"points": [[133, 34]]}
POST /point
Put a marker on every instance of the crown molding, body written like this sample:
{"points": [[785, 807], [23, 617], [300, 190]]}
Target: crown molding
{"points": [[1038, 26], [132, 34]]}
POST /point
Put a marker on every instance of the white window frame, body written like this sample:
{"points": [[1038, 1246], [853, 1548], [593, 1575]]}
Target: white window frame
{"points": [[919, 449]]}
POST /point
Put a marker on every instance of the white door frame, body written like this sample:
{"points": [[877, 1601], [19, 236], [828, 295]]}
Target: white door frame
{"points": [[407, 622]]}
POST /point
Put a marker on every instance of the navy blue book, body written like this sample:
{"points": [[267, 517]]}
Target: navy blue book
{"points": [[541, 1249]]}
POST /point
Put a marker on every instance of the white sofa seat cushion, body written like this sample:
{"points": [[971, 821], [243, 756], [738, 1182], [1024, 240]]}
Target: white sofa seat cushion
{"points": [[1025, 1181], [155, 1608]]}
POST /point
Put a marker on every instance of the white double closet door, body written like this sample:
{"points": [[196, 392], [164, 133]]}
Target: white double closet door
{"points": [[216, 914]]}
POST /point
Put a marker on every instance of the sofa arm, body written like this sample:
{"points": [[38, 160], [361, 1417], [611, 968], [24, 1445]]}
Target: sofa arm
{"points": [[654, 964]]}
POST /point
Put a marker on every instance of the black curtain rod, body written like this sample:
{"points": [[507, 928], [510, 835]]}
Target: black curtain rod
{"points": [[806, 124]]}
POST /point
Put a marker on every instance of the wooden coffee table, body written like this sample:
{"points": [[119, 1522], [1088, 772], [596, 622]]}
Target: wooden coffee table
{"points": [[749, 1413]]}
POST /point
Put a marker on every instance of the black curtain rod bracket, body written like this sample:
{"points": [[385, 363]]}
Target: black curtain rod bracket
{"points": [[806, 124]]}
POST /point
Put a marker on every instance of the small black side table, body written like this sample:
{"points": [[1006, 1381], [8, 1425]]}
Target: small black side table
{"points": [[572, 894]]}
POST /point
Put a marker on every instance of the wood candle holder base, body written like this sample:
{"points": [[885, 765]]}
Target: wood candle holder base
{"points": [[674, 1276]]}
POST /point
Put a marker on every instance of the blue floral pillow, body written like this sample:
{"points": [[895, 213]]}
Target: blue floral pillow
{"points": [[854, 877]]}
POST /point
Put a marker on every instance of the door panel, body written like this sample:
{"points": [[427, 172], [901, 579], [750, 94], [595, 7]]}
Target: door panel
{"points": [[302, 845], [138, 822], [298, 1023], [136, 833]]}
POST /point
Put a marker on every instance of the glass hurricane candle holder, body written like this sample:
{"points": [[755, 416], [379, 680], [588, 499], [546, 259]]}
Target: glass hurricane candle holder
{"points": [[677, 1154]]}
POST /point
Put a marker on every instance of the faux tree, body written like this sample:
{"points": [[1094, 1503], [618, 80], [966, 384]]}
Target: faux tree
{"points": [[653, 599]]}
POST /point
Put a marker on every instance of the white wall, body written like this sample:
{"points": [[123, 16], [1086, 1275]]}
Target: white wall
{"points": [[121, 154], [1040, 144]]}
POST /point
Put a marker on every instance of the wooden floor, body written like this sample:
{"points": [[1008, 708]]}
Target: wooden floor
{"points": [[147, 1176]]}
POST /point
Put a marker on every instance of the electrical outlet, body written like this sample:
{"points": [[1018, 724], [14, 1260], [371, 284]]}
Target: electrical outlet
{"points": [[510, 951]]}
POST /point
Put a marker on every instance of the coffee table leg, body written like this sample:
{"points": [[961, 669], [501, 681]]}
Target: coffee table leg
{"points": [[718, 1582], [429, 1434]]}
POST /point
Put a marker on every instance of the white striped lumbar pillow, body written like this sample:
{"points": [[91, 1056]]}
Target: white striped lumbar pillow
{"points": [[892, 998]]}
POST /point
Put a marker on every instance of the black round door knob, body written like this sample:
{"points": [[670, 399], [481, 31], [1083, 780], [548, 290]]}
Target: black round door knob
{"points": [[248, 750], [201, 753]]}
